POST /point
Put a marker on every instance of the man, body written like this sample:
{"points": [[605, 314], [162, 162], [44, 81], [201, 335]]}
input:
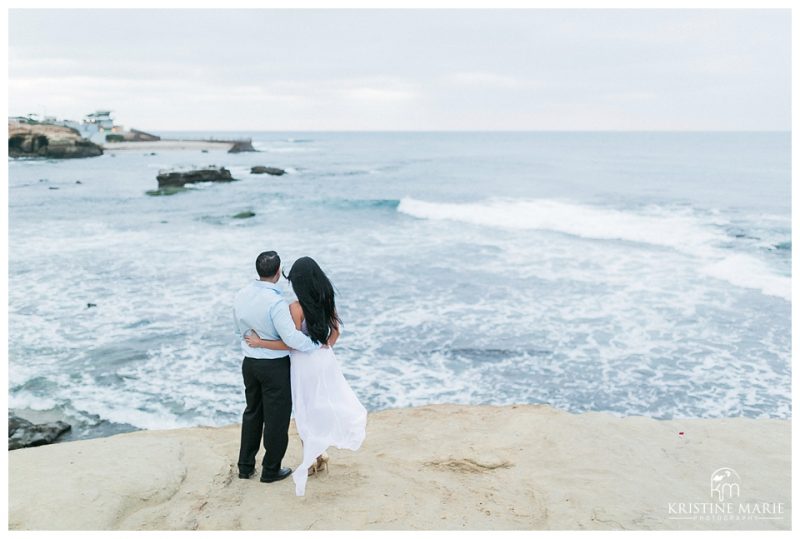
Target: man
{"points": [[260, 306]]}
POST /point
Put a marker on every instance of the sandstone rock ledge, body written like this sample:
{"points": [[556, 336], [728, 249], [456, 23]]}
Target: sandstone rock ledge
{"points": [[433, 467], [50, 141]]}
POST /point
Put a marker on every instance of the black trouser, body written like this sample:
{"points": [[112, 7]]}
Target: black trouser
{"points": [[268, 391]]}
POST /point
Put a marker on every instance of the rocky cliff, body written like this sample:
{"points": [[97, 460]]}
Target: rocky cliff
{"points": [[44, 140]]}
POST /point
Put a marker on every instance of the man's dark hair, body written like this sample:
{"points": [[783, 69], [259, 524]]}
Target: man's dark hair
{"points": [[267, 264]]}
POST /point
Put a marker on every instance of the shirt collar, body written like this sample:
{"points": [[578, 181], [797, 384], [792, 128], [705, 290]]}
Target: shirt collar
{"points": [[267, 284]]}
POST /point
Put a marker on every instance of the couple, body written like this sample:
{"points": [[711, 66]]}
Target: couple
{"points": [[289, 361]]}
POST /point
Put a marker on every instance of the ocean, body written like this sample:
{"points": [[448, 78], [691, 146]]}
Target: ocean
{"points": [[631, 273]]}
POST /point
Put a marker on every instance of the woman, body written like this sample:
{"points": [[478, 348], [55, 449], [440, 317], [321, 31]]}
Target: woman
{"points": [[326, 411]]}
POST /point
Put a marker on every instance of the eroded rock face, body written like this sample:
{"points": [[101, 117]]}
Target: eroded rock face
{"points": [[274, 171], [51, 141], [23, 433], [179, 178]]}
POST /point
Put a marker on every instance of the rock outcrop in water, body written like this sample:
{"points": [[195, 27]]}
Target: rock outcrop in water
{"points": [[23, 433], [179, 178], [51, 141], [274, 171], [242, 146]]}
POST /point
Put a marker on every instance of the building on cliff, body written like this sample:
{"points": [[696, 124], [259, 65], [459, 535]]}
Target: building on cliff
{"points": [[97, 126]]}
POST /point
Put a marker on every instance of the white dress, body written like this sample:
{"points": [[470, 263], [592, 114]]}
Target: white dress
{"points": [[326, 411]]}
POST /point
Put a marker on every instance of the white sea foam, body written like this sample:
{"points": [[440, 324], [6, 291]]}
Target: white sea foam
{"points": [[749, 272], [239, 171], [25, 399], [677, 229], [656, 227]]}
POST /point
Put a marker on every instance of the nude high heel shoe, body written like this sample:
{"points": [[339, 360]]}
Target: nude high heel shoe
{"points": [[322, 463]]}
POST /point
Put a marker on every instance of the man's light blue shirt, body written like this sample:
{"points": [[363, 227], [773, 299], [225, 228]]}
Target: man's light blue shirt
{"points": [[260, 306]]}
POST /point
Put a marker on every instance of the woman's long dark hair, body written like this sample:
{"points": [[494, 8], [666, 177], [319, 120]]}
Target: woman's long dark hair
{"points": [[315, 293]]}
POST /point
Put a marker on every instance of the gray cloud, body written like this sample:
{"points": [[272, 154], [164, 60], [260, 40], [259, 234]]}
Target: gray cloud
{"points": [[410, 69]]}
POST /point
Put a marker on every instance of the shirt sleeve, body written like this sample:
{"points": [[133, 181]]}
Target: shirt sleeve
{"points": [[284, 325], [236, 329]]}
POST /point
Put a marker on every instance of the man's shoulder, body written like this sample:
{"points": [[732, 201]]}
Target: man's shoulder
{"points": [[249, 292], [253, 291], [278, 302], [244, 290]]}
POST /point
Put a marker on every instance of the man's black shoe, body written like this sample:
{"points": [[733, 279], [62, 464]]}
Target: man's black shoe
{"points": [[243, 475], [283, 473]]}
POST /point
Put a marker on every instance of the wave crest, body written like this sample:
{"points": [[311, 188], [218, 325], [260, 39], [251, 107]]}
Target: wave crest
{"points": [[681, 229]]}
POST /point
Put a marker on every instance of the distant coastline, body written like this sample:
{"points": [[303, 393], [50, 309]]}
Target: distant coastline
{"points": [[97, 132], [167, 145]]}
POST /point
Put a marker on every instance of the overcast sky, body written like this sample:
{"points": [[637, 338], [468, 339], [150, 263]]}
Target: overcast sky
{"points": [[406, 70]]}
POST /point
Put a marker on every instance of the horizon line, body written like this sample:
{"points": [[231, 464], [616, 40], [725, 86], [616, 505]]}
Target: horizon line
{"points": [[482, 130]]}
